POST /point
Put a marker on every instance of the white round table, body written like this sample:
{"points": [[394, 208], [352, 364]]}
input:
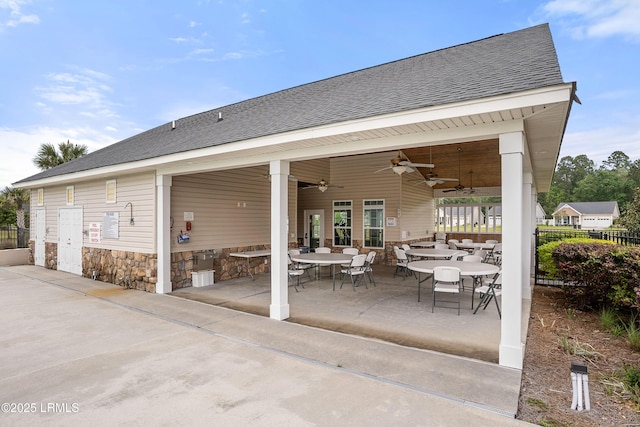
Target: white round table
{"points": [[486, 246], [331, 259], [424, 244], [471, 269], [434, 253]]}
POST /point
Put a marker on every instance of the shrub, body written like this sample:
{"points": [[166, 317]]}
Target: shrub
{"points": [[548, 264], [606, 275]]}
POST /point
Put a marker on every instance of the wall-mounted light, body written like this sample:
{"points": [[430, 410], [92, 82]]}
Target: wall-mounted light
{"points": [[131, 221]]}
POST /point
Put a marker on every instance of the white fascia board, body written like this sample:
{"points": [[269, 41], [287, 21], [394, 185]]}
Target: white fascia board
{"points": [[468, 133], [543, 96]]}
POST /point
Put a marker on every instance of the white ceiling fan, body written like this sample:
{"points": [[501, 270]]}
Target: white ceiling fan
{"points": [[432, 178], [401, 165], [322, 185]]}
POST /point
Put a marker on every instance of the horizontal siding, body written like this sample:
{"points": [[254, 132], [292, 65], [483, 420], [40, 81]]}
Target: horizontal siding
{"points": [[311, 171], [357, 175], [231, 209], [53, 199], [137, 189], [417, 209]]}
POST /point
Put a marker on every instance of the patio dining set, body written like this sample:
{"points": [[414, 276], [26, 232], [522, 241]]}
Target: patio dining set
{"points": [[445, 265]]}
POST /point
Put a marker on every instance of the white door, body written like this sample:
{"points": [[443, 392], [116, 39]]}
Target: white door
{"points": [[314, 228], [70, 240], [41, 232]]}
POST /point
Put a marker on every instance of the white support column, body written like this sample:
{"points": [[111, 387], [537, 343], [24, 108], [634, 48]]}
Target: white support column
{"points": [[527, 233], [512, 153], [163, 233], [279, 171]]}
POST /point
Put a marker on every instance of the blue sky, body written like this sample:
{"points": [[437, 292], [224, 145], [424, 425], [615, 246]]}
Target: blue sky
{"points": [[96, 72]]}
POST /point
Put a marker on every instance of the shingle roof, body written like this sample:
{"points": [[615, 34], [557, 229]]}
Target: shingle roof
{"points": [[497, 65], [591, 208]]}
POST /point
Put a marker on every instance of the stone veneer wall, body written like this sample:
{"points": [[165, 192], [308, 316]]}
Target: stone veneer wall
{"points": [[132, 270], [50, 254], [139, 271], [226, 267]]}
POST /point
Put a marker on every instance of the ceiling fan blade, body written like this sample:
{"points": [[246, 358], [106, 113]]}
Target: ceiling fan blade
{"points": [[449, 191], [421, 165], [446, 179], [384, 169], [335, 186]]}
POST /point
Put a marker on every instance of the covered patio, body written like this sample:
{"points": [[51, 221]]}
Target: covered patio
{"points": [[389, 312]]}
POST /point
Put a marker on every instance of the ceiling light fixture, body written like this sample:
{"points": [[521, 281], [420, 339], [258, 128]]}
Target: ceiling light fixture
{"points": [[400, 169]]}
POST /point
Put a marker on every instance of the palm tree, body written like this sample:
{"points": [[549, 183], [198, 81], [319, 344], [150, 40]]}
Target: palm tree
{"points": [[49, 156], [15, 199]]}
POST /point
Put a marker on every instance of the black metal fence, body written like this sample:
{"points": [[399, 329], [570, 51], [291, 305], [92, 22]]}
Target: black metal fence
{"points": [[12, 237], [542, 236]]}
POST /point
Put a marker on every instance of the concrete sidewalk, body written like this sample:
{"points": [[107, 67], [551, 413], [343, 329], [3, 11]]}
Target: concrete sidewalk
{"points": [[79, 352]]}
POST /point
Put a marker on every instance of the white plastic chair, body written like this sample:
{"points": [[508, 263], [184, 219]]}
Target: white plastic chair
{"points": [[481, 253], [471, 258], [406, 247], [495, 255], [356, 271], [349, 251], [402, 263], [453, 245], [441, 246], [491, 289], [467, 240], [301, 265], [491, 242], [294, 272], [368, 266], [446, 280], [321, 250]]}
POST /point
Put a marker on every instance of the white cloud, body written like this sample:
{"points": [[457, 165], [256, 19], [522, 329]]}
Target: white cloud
{"points": [[16, 17], [597, 18], [21, 146], [85, 88], [600, 143]]}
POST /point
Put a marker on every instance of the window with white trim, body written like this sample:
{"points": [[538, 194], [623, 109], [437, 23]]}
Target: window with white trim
{"points": [[342, 214], [373, 223], [110, 191], [70, 195], [40, 196]]}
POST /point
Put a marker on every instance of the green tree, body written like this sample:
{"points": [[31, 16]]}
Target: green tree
{"points": [[605, 185], [617, 161], [13, 200], [49, 156], [570, 171], [552, 199], [630, 218]]}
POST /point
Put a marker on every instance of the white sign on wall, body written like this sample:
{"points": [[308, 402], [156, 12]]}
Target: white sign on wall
{"points": [[94, 232], [110, 225]]}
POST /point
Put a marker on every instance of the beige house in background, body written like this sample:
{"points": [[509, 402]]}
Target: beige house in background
{"points": [[234, 178], [587, 215]]}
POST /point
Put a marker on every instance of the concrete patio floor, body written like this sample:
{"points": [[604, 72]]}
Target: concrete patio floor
{"points": [[389, 311], [132, 357]]}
